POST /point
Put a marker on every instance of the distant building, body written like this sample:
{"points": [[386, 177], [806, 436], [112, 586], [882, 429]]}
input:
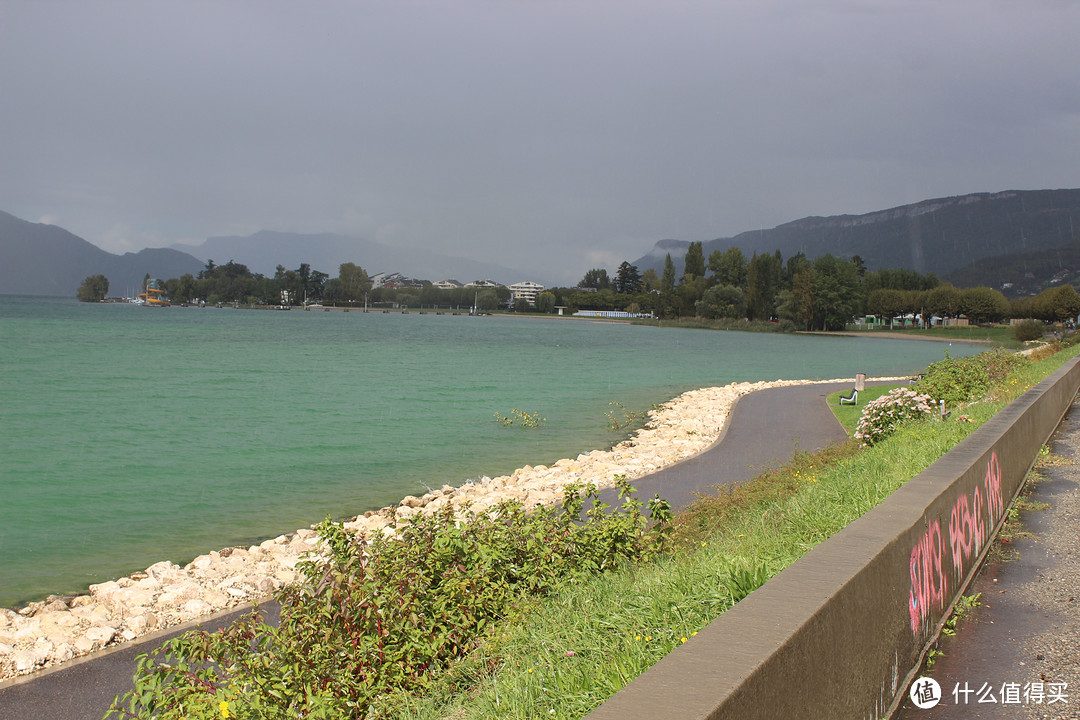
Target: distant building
{"points": [[483, 284], [525, 290], [611, 314], [394, 280], [446, 285]]}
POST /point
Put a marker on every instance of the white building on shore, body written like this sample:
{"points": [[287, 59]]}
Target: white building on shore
{"points": [[525, 290], [446, 285]]}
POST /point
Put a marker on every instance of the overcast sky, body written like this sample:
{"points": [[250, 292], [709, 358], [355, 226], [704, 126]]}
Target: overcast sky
{"points": [[548, 136]]}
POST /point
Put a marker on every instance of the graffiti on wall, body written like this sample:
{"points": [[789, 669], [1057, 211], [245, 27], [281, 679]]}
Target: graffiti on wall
{"points": [[928, 582], [973, 516]]}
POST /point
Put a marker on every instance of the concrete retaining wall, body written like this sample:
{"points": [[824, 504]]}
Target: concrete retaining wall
{"points": [[840, 633]]}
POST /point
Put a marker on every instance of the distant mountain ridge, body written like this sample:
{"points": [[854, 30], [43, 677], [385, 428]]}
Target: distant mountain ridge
{"points": [[40, 259], [972, 239], [263, 251], [938, 235]]}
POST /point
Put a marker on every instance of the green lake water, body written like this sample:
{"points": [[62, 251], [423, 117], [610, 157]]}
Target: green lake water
{"points": [[130, 435]]}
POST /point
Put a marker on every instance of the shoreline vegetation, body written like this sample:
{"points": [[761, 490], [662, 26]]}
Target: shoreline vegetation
{"points": [[58, 629], [469, 620]]}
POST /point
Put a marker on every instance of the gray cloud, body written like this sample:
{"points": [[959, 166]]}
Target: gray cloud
{"points": [[550, 136]]}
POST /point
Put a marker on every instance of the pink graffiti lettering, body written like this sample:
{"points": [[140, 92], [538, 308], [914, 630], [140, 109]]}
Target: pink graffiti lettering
{"points": [[972, 517], [928, 581], [992, 482], [965, 528], [969, 525]]}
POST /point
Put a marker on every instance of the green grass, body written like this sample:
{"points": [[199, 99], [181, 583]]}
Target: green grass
{"points": [[563, 657], [849, 415], [996, 334]]}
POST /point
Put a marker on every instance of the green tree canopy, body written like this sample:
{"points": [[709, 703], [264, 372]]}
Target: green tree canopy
{"points": [[93, 289], [885, 303], [354, 282], [545, 302], [1056, 304], [596, 278], [728, 267], [628, 279], [487, 300], [943, 300], [983, 304], [722, 301], [837, 290]]}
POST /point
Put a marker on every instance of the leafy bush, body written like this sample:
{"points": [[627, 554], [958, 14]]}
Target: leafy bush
{"points": [[882, 417], [953, 380], [960, 380], [1026, 330], [999, 363], [384, 616]]}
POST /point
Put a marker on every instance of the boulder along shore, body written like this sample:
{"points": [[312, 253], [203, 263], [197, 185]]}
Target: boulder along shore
{"points": [[60, 628]]}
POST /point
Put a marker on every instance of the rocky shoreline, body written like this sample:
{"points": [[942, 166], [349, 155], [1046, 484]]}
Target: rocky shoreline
{"points": [[61, 628]]}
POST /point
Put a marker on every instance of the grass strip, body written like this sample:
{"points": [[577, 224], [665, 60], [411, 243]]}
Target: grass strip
{"points": [[849, 415], [996, 334], [562, 657]]}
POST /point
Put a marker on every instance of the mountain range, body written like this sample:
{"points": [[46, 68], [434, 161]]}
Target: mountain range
{"points": [[941, 235], [38, 259], [1009, 239]]}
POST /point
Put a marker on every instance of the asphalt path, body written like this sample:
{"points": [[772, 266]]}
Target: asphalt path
{"points": [[765, 429]]}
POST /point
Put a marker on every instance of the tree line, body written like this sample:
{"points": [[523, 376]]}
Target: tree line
{"points": [[825, 293]]}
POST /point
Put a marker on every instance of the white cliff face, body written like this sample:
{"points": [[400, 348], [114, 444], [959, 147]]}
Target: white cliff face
{"points": [[61, 628]]}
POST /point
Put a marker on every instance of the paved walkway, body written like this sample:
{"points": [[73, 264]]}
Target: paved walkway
{"points": [[1026, 628], [765, 429]]}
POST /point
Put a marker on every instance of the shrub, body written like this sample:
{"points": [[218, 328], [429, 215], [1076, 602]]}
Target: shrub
{"points": [[384, 616], [881, 417], [1026, 330], [953, 380], [960, 380], [998, 363]]}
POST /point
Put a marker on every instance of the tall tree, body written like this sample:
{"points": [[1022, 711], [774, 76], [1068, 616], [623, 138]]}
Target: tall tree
{"points": [[728, 267], [944, 301], [838, 294], [355, 282], [650, 281], [545, 302], [983, 304], [803, 303], [597, 278], [667, 279], [627, 279], [763, 276], [694, 262], [93, 289]]}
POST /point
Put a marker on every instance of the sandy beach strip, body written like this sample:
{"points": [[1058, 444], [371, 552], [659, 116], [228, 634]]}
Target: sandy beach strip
{"points": [[59, 629]]}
